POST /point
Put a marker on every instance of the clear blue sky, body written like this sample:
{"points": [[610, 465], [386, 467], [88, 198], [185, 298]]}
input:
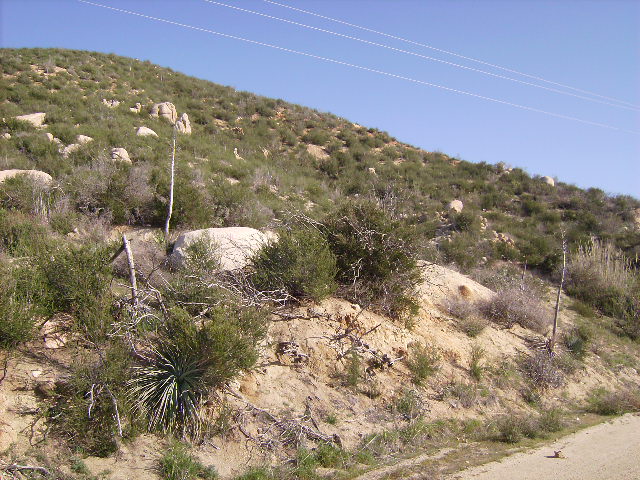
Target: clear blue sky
{"points": [[591, 45]]}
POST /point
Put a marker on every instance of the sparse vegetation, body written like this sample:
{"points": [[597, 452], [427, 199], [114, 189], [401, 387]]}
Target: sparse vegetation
{"points": [[168, 361], [423, 362]]}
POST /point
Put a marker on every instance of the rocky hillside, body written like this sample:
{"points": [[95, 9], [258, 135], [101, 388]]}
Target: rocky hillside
{"points": [[327, 300]]}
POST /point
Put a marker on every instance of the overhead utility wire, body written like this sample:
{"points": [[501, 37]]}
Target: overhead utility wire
{"points": [[359, 67], [471, 59], [426, 57]]}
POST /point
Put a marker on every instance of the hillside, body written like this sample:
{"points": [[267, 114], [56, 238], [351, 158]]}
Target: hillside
{"points": [[390, 301]]}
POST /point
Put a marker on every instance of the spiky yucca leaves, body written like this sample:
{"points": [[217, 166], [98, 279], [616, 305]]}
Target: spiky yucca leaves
{"points": [[169, 388]]}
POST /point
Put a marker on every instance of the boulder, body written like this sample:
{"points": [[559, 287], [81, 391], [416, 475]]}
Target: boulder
{"points": [[42, 177], [49, 136], [549, 181], [165, 110], [110, 103], [82, 139], [183, 124], [120, 155], [137, 108], [455, 205], [69, 149], [6, 136], [232, 245], [35, 119], [145, 132]]}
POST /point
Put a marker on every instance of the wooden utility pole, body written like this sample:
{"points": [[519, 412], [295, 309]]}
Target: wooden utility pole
{"points": [[132, 270], [173, 165]]}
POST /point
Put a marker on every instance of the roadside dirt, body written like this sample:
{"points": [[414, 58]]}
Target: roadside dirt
{"points": [[604, 452]]}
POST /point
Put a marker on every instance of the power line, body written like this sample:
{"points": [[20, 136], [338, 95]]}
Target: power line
{"points": [[471, 59], [358, 67], [426, 57]]}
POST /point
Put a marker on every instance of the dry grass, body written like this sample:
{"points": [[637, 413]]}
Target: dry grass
{"points": [[514, 306]]}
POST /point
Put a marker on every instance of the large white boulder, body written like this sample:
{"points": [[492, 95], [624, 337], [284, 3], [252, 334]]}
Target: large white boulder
{"points": [[183, 125], [549, 181], [145, 132], [455, 205], [69, 149], [166, 110], [82, 139], [120, 155], [35, 119], [42, 177], [233, 246]]}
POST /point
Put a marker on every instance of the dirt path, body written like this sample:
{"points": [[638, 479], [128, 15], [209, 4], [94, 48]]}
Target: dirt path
{"points": [[605, 452]]}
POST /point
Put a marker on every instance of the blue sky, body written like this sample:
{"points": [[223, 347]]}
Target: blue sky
{"points": [[590, 45]]}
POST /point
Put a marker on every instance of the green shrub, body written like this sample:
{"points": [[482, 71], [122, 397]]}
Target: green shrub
{"points": [[423, 361], [299, 262], [512, 428], [17, 317], [476, 368], [550, 420], [577, 340], [600, 275], [376, 257], [78, 281], [472, 326], [21, 235], [84, 412], [178, 463], [189, 360], [604, 402], [409, 404]]}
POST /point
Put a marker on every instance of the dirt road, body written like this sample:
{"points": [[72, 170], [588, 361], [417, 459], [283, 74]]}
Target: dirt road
{"points": [[605, 452]]}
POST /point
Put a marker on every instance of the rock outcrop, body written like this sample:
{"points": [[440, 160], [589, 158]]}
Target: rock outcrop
{"points": [[455, 205], [110, 103], [35, 119], [120, 155], [549, 181], [41, 177], [145, 132], [165, 110], [183, 125], [233, 246]]}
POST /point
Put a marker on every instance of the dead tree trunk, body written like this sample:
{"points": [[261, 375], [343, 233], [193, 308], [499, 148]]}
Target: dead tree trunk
{"points": [[552, 343], [173, 164], [132, 270]]}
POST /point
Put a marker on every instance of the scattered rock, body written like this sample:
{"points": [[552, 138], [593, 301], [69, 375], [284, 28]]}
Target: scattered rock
{"points": [[110, 103], [69, 149], [372, 171], [503, 238], [317, 152], [232, 245], [82, 139], [35, 119], [137, 108], [549, 181], [49, 136], [455, 205], [165, 110], [145, 132], [120, 155], [6, 136], [183, 124], [237, 155], [42, 177]]}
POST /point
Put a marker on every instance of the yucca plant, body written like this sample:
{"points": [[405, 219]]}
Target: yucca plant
{"points": [[168, 389]]}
